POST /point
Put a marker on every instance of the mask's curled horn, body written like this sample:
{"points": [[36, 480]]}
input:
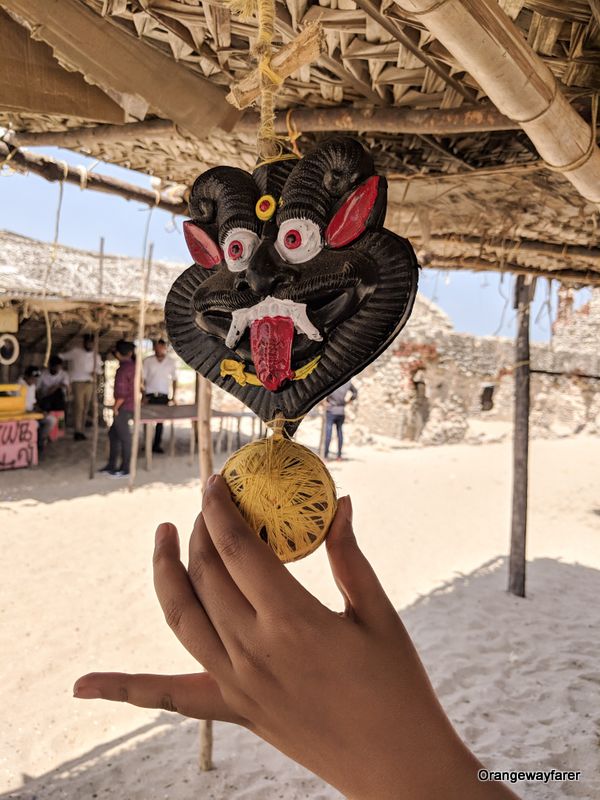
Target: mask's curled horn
{"points": [[322, 177], [225, 197]]}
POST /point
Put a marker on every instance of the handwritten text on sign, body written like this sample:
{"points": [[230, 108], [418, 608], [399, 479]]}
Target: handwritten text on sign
{"points": [[18, 444]]}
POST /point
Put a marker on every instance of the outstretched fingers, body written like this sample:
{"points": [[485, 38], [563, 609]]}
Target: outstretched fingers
{"points": [[196, 695], [182, 609]]}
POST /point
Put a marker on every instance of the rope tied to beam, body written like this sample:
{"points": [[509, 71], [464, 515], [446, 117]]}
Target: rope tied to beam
{"points": [[584, 157], [269, 145], [293, 133], [49, 265]]}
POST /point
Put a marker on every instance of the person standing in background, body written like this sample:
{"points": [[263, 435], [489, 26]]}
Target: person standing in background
{"points": [[81, 370], [335, 414], [53, 386], [160, 379], [119, 434], [30, 380]]}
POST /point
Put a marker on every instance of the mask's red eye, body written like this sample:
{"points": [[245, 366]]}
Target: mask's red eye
{"points": [[292, 239], [235, 250]]}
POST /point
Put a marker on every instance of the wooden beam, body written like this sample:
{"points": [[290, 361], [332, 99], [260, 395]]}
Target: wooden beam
{"points": [[446, 122], [115, 60], [98, 134], [33, 82], [576, 277], [490, 46], [523, 245], [517, 560], [53, 170], [302, 50]]}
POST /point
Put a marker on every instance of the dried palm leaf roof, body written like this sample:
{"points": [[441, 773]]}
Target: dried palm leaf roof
{"points": [[488, 187], [77, 293]]}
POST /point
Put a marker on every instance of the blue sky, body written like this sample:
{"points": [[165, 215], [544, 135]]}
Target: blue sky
{"points": [[478, 303]]}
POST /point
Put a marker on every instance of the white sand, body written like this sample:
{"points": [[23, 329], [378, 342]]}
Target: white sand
{"points": [[520, 678]]}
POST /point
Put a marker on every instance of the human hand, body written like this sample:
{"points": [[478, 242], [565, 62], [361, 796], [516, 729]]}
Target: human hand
{"points": [[343, 694]]}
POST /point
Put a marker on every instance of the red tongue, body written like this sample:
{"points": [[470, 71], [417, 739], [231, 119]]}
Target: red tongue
{"points": [[271, 344]]}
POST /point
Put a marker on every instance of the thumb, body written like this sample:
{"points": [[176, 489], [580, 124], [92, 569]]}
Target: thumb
{"points": [[355, 577]]}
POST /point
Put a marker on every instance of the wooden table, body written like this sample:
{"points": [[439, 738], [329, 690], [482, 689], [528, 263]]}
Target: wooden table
{"points": [[152, 414], [19, 440]]}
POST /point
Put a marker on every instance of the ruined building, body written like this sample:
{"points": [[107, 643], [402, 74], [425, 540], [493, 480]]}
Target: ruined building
{"points": [[432, 381]]}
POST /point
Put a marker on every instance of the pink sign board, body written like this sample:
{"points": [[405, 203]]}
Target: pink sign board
{"points": [[18, 443]]}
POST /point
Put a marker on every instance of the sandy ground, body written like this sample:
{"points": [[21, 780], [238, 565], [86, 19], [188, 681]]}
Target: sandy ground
{"points": [[520, 678]]}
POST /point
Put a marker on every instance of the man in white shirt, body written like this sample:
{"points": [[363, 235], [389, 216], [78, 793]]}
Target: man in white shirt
{"points": [[160, 380], [30, 380], [53, 386], [81, 369]]}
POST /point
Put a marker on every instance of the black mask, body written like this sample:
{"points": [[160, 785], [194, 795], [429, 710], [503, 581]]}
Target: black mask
{"points": [[296, 286]]}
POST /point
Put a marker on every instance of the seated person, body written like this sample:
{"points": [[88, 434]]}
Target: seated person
{"points": [[53, 386], [30, 379]]}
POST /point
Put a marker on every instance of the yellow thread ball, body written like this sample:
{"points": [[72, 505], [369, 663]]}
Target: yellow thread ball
{"points": [[285, 494]]}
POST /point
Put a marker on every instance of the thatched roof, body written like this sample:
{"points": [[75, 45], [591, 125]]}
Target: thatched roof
{"points": [[489, 186], [78, 295], [75, 276]]}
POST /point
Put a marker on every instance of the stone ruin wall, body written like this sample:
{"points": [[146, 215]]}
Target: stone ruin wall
{"points": [[428, 384]]}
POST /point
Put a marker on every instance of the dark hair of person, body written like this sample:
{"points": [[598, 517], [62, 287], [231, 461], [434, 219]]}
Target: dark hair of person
{"points": [[55, 361], [31, 372], [124, 348]]}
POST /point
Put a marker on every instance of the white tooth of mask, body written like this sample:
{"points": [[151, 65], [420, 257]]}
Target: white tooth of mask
{"points": [[306, 325], [239, 322], [271, 307]]}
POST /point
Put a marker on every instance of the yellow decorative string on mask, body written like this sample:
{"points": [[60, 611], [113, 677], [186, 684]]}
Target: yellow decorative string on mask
{"points": [[232, 368], [283, 491]]}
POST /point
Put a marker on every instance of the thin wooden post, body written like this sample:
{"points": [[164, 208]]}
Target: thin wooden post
{"points": [[322, 433], [94, 449], [205, 464], [517, 561], [137, 382]]}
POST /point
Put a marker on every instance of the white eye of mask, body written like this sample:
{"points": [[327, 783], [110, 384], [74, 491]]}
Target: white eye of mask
{"points": [[238, 247], [298, 240]]}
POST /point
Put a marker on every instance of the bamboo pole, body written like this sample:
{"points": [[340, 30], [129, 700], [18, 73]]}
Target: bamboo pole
{"points": [[517, 561], [205, 464], [53, 170], [516, 246], [137, 383], [98, 134], [439, 122], [304, 49], [94, 449], [488, 44], [569, 276]]}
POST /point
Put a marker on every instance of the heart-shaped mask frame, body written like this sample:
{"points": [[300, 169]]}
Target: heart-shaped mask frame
{"points": [[296, 285]]}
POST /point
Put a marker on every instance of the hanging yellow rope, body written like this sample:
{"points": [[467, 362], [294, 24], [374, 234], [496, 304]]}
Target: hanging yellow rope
{"points": [[269, 145]]}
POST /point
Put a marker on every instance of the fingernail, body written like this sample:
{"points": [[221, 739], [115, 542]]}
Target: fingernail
{"points": [[212, 479], [86, 693], [162, 532], [347, 507]]}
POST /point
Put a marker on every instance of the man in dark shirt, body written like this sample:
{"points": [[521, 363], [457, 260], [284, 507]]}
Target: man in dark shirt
{"points": [[335, 415], [119, 434]]}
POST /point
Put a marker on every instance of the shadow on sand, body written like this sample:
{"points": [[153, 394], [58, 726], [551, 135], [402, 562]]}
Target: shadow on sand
{"points": [[63, 473], [519, 677]]}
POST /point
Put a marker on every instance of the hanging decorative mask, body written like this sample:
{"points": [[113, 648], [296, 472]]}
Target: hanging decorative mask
{"points": [[296, 284]]}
